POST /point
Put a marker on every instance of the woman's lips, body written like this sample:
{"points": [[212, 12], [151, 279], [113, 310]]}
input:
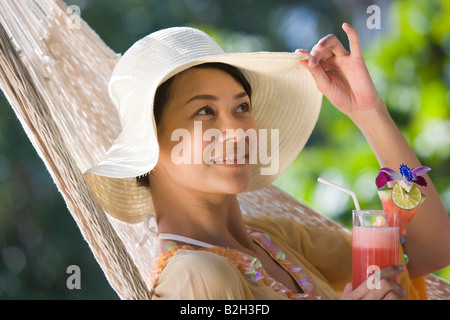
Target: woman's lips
{"points": [[233, 160]]}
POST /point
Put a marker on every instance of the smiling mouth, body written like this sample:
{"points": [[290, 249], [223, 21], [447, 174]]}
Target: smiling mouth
{"points": [[232, 160]]}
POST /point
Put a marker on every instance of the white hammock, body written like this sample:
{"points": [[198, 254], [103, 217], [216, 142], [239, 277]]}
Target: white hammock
{"points": [[54, 72]]}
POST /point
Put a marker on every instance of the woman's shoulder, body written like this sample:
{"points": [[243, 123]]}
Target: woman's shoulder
{"points": [[199, 260], [272, 224], [286, 227], [198, 274]]}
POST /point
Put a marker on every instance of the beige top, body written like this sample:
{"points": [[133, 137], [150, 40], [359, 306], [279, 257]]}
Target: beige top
{"points": [[319, 259]]}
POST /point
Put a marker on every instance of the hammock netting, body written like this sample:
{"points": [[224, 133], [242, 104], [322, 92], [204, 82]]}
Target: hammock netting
{"points": [[54, 72]]}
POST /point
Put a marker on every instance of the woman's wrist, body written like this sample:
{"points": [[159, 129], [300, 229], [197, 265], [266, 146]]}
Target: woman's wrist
{"points": [[366, 117], [383, 135]]}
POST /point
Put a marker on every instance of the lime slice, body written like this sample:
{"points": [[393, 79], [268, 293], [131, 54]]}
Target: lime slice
{"points": [[404, 199]]}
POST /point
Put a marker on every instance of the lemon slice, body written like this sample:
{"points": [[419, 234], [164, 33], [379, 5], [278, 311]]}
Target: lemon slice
{"points": [[404, 199]]}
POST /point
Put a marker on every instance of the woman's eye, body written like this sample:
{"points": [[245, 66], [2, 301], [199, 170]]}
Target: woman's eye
{"points": [[205, 111], [245, 107]]}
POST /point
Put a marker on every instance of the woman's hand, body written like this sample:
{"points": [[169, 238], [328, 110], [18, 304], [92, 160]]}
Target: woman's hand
{"points": [[340, 75], [343, 78], [387, 289]]}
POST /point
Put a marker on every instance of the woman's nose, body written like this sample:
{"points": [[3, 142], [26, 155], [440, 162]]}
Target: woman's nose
{"points": [[231, 129]]}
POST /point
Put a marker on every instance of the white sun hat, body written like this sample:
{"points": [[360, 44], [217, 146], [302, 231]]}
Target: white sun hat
{"points": [[284, 97]]}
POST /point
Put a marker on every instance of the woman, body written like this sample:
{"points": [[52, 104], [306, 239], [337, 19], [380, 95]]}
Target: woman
{"points": [[213, 251]]}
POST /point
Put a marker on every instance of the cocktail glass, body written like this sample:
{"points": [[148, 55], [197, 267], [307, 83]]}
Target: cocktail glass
{"points": [[375, 244]]}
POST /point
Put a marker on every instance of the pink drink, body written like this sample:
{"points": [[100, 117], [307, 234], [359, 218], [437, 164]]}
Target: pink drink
{"points": [[373, 248]]}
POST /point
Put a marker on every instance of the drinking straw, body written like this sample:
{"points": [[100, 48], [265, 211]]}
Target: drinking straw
{"points": [[355, 199]]}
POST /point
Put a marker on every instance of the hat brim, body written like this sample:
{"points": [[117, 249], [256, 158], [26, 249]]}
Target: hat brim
{"points": [[285, 98]]}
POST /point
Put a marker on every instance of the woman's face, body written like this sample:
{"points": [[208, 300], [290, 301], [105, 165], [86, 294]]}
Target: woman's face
{"points": [[196, 150]]}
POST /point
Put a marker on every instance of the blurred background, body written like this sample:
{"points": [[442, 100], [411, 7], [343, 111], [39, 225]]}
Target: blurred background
{"points": [[407, 49]]}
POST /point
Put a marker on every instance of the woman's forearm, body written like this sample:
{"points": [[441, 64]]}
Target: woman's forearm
{"points": [[428, 235]]}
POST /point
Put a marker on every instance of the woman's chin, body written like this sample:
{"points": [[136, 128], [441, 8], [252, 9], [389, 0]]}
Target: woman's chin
{"points": [[234, 183], [240, 188], [228, 184], [231, 186]]}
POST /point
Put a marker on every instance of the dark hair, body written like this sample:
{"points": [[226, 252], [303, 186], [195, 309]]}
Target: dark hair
{"points": [[163, 92]]}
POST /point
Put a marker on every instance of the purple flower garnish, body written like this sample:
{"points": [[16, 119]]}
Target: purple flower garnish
{"points": [[407, 177], [406, 172]]}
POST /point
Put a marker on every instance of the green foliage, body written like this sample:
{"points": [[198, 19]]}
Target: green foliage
{"points": [[410, 64]]}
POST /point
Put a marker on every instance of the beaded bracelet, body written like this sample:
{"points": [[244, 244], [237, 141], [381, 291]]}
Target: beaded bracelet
{"points": [[402, 241]]}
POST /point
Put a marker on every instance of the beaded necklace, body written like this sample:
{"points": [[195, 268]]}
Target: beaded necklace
{"points": [[250, 267]]}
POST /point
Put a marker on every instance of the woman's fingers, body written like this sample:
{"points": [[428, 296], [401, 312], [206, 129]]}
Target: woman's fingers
{"points": [[326, 48], [302, 51], [306, 56], [391, 272], [385, 288], [322, 79], [332, 43], [347, 291], [330, 46], [381, 289], [353, 39]]}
